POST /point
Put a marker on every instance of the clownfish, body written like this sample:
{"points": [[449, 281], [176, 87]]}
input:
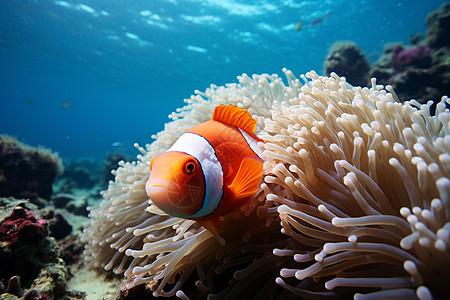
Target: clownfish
{"points": [[210, 170]]}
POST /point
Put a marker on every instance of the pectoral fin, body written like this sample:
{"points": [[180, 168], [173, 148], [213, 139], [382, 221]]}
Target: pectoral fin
{"points": [[248, 178]]}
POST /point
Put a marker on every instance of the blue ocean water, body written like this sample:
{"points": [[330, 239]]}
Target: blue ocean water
{"points": [[78, 76]]}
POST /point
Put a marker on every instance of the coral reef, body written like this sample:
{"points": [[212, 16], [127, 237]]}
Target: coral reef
{"points": [[403, 58], [438, 23], [30, 260], [356, 181], [89, 174], [27, 172], [80, 184], [78, 174], [347, 59], [420, 71]]}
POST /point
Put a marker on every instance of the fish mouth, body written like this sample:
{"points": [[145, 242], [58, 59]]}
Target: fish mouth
{"points": [[172, 198], [164, 194]]}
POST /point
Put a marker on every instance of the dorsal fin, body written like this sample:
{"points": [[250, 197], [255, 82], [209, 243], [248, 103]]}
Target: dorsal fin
{"points": [[235, 116]]}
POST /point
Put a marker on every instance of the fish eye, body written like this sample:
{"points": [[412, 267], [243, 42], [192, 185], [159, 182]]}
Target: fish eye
{"points": [[190, 167]]}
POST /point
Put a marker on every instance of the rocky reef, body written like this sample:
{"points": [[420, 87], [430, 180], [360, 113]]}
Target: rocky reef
{"points": [[27, 172], [43, 206], [438, 31], [31, 261], [37, 242], [347, 59], [418, 71]]}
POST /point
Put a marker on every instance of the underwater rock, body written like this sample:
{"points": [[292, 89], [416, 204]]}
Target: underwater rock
{"points": [[51, 281], [58, 225], [34, 295], [112, 163], [61, 200], [25, 171], [438, 23], [140, 292], [79, 207], [22, 226], [75, 204], [27, 252], [415, 38], [347, 59], [72, 249], [7, 296], [13, 286], [76, 176], [417, 72]]}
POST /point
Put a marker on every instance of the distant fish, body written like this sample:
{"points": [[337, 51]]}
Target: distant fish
{"points": [[318, 20], [64, 104], [117, 144], [298, 26], [29, 101]]}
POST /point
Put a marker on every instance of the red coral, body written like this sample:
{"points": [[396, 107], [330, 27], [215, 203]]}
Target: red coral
{"points": [[22, 226]]}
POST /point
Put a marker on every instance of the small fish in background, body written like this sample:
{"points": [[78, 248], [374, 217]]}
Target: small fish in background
{"points": [[29, 101], [298, 26], [211, 170], [64, 104], [318, 20], [117, 144]]}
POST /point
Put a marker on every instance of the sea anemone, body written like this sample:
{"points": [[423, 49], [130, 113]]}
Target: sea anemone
{"points": [[355, 199], [365, 190]]}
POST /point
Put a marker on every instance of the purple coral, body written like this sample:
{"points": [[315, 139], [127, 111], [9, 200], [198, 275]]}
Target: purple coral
{"points": [[418, 56], [23, 226]]}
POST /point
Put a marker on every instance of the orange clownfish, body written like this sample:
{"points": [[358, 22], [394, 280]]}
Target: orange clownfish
{"points": [[211, 169]]}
